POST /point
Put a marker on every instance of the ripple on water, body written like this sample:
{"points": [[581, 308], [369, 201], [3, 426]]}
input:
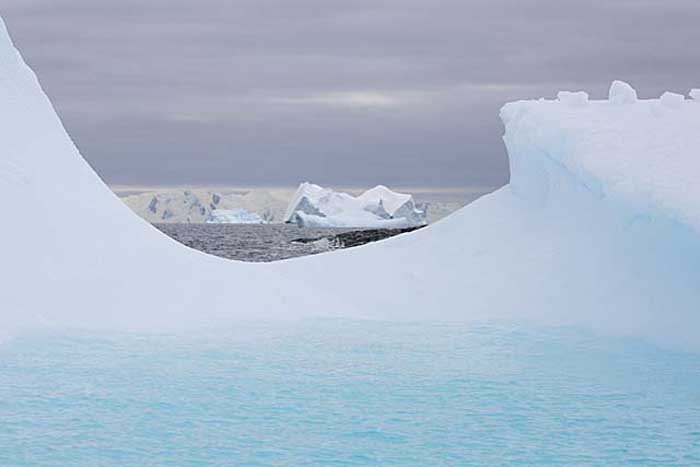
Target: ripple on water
{"points": [[334, 392]]}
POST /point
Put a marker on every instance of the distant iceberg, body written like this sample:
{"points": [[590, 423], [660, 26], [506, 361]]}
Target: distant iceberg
{"points": [[315, 206], [233, 216], [196, 206]]}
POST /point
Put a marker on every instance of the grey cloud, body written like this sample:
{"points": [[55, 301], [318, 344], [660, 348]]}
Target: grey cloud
{"points": [[272, 92]]}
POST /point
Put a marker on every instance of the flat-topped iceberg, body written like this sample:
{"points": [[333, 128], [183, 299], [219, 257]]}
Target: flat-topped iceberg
{"points": [[599, 227], [637, 155], [315, 206]]}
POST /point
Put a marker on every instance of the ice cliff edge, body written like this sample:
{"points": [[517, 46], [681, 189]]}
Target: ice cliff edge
{"points": [[8, 54], [639, 156]]}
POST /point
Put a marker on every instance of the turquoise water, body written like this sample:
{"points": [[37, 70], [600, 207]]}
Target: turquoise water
{"points": [[345, 393]]}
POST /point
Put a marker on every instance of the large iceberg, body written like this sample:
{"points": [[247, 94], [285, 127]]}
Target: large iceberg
{"points": [[315, 206], [599, 227]]}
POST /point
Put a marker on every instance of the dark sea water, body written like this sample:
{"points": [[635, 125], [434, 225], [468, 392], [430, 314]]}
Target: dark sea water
{"points": [[250, 242]]}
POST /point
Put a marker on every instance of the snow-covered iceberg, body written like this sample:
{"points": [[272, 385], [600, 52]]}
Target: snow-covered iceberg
{"points": [[315, 206], [599, 227], [233, 216]]}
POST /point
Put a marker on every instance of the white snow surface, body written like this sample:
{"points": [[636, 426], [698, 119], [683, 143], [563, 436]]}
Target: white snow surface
{"points": [[599, 228], [379, 207], [233, 216]]}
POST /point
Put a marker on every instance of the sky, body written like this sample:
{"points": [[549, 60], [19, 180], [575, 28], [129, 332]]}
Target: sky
{"points": [[337, 92]]}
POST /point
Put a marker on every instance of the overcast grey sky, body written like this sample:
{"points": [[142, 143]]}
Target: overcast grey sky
{"points": [[273, 92]]}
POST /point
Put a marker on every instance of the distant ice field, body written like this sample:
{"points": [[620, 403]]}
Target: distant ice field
{"points": [[350, 393], [196, 204]]}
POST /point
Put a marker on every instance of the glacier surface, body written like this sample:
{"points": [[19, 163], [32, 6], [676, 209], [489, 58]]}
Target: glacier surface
{"points": [[233, 216], [194, 205], [599, 227]]}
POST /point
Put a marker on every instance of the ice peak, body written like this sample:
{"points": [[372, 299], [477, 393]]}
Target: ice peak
{"points": [[8, 53], [695, 94], [672, 100], [622, 93], [573, 99], [4, 35]]}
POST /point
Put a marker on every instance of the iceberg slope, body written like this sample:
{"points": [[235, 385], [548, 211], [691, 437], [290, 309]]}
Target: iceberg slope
{"points": [[599, 228], [97, 264]]}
